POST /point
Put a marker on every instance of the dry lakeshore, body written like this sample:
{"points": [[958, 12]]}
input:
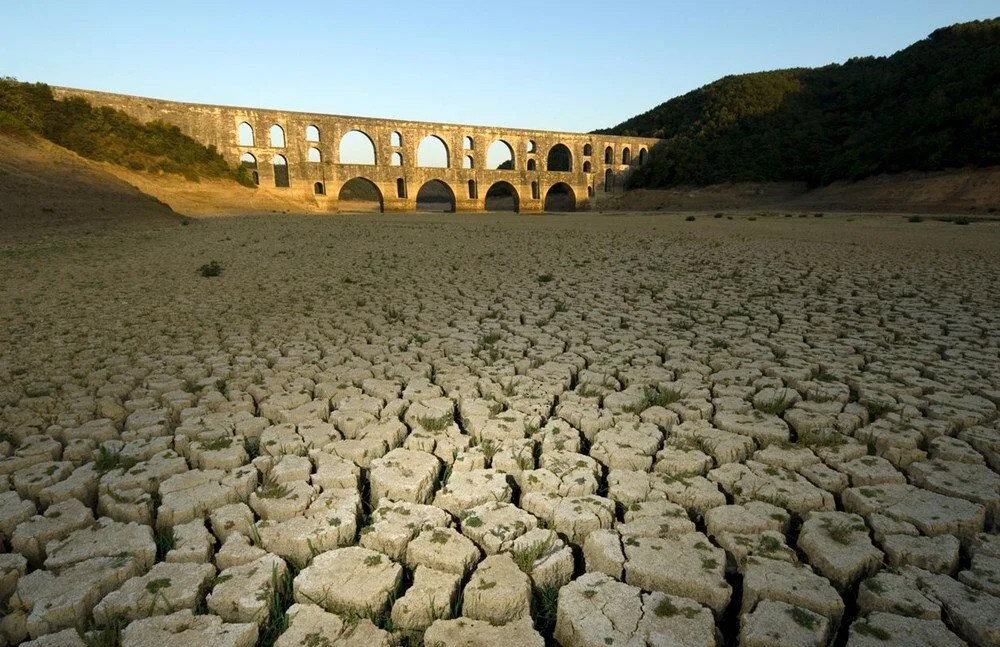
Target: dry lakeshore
{"points": [[501, 430]]}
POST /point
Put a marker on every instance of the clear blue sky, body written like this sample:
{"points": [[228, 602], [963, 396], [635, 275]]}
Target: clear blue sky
{"points": [[563, 65]]}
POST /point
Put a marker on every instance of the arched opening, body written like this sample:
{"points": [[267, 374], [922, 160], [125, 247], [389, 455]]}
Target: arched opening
{"points": [[559, 159], [534, 190], [500, 156], [531, 165], [396, 159], [357, 148], [400, 187], [609, 181], [531, 147], [248, 160], [501, 197], [313, 155], [435, 195], [280, 172], [319, 189], [626, 156], [467, 161], [560, 197], [467, 143], [312, 134], [395, 139], [642, 156], [472, 189], [587, 150], [590, 191], [277, 136], [609, 155], [244, 134], [586, 167], [360, 194], [432, 152]]}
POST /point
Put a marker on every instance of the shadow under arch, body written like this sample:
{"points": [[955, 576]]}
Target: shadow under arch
{"points": [[360, 195], [560, 197], [502, 196], [559, 159], [436, 195]]}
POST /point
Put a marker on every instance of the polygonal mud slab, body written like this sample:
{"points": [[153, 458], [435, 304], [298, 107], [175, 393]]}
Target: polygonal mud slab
{"points": [[404, 475], [183, 629], [498, 592], [687, 566], [596, 610], [309, 624], [468, 632], [243, 593], [349, 580]]}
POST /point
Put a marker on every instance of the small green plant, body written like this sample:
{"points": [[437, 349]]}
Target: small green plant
{"points": [[164, 540], [107, 460], [654, 397], [544, 601], [840, 531], [803, 618], [874, 585], [526, 557], [667, 609], [157, 585], [689, 219], [775, 406], [374, 560], [440, 423], [472, 522], [544, 278], [490, 338], [489, 448], [252, 447], [212, 268], [106, 635], [271, 489], [278, 601], [864, 628], [877, 409], [216, 444], [718, 214], [769, 544]]}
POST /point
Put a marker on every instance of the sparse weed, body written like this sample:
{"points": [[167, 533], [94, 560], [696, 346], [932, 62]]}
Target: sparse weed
{"points": [[803, 618], [440, 423], [211, 268]]}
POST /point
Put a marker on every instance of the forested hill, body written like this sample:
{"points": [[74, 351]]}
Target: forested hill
{"points": [[933, 105]]}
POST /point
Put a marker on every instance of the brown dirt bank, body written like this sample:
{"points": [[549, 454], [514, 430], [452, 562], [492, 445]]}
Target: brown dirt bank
{"points": [[965, 191]]}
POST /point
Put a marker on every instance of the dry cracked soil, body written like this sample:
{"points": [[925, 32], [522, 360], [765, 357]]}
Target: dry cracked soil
{"points": [[458, 430]]}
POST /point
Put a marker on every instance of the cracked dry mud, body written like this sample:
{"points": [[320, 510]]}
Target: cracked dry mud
{"points": [[497, 430]]}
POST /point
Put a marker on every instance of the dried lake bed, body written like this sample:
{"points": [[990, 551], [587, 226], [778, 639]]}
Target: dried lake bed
{"points": [[588, 429]]}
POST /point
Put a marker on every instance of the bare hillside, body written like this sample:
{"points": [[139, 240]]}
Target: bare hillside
{"points": [[966, 191], [45, 188]]}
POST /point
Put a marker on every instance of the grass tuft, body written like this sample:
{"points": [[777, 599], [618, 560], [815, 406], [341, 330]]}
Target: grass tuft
{"points": [[212, 268]]}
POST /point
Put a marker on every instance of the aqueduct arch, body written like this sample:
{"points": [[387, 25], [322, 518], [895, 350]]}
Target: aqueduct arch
{"points": [[300, 153]]}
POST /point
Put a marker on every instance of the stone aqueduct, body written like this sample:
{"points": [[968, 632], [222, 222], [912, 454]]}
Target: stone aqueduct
{"points": [[307, 160]]}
